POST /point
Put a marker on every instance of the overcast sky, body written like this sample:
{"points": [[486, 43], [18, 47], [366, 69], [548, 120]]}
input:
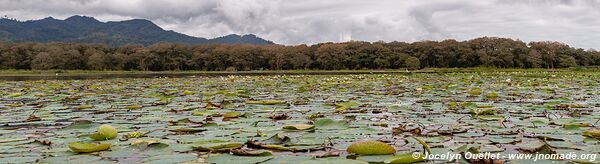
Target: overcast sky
{"points": [[575, 22]]}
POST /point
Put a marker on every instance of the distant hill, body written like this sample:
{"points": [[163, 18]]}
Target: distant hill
{"points": [[82, 29]]}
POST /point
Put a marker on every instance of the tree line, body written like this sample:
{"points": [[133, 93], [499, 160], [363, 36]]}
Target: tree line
{"points": [[479, 52]]}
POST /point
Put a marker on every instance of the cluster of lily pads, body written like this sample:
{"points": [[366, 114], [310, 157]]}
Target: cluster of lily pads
{"points": [[381, 118]]}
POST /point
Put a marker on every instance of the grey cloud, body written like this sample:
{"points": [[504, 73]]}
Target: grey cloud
{"points": [[311, 21]]}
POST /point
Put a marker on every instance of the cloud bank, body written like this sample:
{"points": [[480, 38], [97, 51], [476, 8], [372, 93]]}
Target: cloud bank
{"points": [[574, 22]]}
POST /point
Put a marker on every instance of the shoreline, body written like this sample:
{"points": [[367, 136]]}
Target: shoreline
{"points": [[21, 75]]}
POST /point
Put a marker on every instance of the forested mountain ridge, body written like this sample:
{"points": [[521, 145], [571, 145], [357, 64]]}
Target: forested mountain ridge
{"points": [[82, 29]]}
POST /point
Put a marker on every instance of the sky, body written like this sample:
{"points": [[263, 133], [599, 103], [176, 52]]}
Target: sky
{"points": [[575, 22]]}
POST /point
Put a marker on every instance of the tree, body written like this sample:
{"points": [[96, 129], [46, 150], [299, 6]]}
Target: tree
{"points": [[534, 58], [298, 56], [550, 52], [217, 59], [412, 63], [486, 51], [567, 61], [331, 56], [70, 56], [96, 60], [17, 57], [43, 61], [170, 56], [143, 58]]}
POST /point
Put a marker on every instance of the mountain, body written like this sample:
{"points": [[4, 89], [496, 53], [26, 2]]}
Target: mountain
{"points": [[82, 29], [237, 39]]}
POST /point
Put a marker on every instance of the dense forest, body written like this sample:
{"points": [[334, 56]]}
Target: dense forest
{"points": [[484, 52]]}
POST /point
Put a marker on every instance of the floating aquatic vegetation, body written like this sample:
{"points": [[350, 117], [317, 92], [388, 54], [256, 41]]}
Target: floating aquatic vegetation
{"points": [[299, 118]]}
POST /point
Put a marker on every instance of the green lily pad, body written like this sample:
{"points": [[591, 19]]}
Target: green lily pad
{"points": [[265, 102], [370, 147], [276, 147], [134, 107], [105, 132], [474, 92], [251, 152], [277, 139], [373, 158], [327, 123], [345, 106], [79, 147], [304, 127], [188, 92], [203, 113], [593, 133], [171, 158], [283, 159], [230, 115], [211, 145], [333, 161], [232, 159], [405, 158]]}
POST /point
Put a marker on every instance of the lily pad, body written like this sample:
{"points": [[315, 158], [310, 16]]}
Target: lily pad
{"points": [[265, 102], [593, 133], [134, 107], [333, 161], [405, 158], [215, 145], [304, 127], [232, 159], [345, 106], [105, 132], [230, 115], [79, 147], [327, 123], [251, 152], [370, 147]]}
